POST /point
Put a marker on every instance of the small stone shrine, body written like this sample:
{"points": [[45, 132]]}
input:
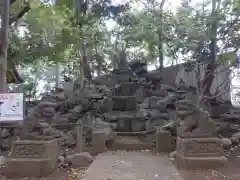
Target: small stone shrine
{"points": [[30, 158], [198, 145]]}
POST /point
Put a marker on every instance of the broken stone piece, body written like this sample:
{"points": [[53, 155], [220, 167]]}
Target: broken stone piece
{"points": [[226, 143], [80, 160]]}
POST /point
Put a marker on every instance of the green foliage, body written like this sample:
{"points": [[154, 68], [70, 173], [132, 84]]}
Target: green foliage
{"points": [[55, 34]]}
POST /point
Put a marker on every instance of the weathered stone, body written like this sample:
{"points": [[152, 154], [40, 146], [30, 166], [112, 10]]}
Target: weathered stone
{"points": [[234, 140], [6, 143], [226, 143], [5, 133], [147, 93], [32, 159], [124, 103], [77, 109], [110, 117], [47, 104], [2, 160], [129, 88], [49, 131], [153, 102], [106, 105], [80, 160], [61, 159], [124, 124], [118, 103], [161, 105], [172, 114], [70, 140], [138, 124], [185, 105], [44, 125], [195, 153], [48, 110], [154, 123], [99, 124], [99, 141], [159, 93], [163, 141], [155, 114], [144, 104], [139, 95], [130, 103], [237, 135]]}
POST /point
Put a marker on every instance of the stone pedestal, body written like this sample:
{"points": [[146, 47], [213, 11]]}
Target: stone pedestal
{"points": [[197, 152], [32, 158]]}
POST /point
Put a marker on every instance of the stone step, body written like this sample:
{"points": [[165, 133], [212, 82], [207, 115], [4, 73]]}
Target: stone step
{"points": [[130, 143], [125, 165]]}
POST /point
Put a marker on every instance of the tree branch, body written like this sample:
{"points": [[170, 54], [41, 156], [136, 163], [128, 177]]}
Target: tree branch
{"points": [[20, 14]]}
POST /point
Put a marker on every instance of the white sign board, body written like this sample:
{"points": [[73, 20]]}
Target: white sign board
{"points": [[11, 107]]}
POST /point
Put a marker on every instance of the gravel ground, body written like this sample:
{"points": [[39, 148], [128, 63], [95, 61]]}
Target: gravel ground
{"points": [[142, 165], [60, 174]]}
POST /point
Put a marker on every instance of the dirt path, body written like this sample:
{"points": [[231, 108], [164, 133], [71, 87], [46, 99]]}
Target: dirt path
{"points": [[123, 165]]}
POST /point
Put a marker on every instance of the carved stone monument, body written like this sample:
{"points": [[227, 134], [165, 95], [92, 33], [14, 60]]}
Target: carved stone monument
{"points": [[32, 158], [198, 146]]}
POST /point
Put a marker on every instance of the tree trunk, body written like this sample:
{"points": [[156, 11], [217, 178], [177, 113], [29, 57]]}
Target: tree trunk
{"points": [[80, 10], [58, 75], [4, 14], [97, 61], [211, 67], [160, 37]]}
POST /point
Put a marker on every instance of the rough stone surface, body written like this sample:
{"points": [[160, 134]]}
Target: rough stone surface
{"points": [[32, 159], [121, 101], [99, 139], [226, 143], [2, 160], [234, 140], [194, 153], [80, 160], [122, 165], [163, 141]]}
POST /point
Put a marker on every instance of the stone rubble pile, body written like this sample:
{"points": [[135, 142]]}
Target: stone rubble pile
{"points": [[119, 102]]}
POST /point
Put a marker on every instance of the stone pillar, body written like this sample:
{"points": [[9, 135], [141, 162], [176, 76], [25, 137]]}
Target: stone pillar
{"points": [[99, 139], [80, 142], [32, 158], [199, 152], [163, 141]]}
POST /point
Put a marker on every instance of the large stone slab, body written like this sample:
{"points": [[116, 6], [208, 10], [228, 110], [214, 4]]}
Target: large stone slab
{"points": [[194, 153], [32, 158], [125, 165]]}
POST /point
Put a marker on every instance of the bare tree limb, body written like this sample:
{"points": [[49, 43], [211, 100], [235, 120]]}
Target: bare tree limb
{"points": [[20, 14]]}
